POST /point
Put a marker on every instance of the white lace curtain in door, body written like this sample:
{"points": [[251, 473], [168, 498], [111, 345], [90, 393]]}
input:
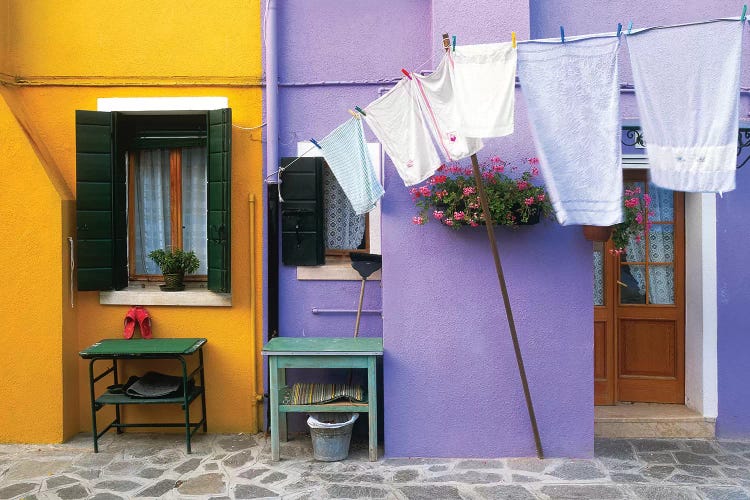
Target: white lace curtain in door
{"points": [[661, 249]]}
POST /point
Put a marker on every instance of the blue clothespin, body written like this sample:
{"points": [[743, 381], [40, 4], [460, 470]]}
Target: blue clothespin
{"points": [[630, 26], [744, 12], [359, 110], [316, 143], [454, 43], [562, 34], [619, 29]]}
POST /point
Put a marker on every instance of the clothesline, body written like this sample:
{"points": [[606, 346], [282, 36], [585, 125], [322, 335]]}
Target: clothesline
{"points": [[425, 107]]}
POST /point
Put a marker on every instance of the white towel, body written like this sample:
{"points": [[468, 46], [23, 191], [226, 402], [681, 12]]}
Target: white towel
{"points": [[687, 82], [573, 99], [435, 92], [484, 78], [345, 151], [397, 122]]}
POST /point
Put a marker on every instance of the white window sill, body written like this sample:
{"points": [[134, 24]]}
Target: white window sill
{"points": [[335, 271], [151, 295]]}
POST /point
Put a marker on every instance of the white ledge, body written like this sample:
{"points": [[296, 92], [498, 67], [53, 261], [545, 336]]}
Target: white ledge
{"points": [[336, 271], [151, 295]]}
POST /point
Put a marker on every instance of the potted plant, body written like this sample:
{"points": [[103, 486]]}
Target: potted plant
{"points": [[450, 196], [637, 211], [174, 264]]}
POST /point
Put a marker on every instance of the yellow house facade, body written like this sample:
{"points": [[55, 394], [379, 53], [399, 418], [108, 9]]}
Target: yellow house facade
{"points": [[56, 59]]}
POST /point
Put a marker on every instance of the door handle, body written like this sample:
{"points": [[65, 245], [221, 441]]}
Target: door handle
{"points": [[621, 284]]}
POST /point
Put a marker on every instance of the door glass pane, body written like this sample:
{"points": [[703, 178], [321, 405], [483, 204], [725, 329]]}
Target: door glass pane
{"points": [[662, 203], [661, 284], [632, 284], [661, 243], [598, 273], [635, 251]]}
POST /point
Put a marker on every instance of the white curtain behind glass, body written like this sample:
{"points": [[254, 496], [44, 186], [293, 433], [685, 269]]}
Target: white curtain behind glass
{"points": [[661, 249], [344, 228], [195, 204], [153, 225]]}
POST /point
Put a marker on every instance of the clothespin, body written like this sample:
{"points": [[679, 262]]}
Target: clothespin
{"points": [[359, 110], [619, 29], [351, 112], [744, 13], [513, 38], [406, 73], [630, 26], [316, 143], [454, 43], [562, 34], [446, 42]]}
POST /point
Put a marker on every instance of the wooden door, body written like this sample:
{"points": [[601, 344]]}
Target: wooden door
{"points": [[639, 312]]}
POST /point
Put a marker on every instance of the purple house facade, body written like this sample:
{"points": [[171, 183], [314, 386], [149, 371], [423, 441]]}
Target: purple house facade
{"points": [[450, 383]]}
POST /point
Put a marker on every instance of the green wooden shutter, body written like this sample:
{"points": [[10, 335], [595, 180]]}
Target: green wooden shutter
{"points": [[302, 219], [101, 211], [219, 199]]}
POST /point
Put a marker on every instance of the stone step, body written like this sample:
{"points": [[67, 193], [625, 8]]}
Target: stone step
{"points": [[650, 420]]}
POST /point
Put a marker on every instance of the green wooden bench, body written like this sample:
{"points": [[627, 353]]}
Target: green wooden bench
{"points": [[287, 352], [121, 349]]}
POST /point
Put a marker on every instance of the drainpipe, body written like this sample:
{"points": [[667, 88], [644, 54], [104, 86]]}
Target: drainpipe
{"points": [[272, 165], [272, 90]]}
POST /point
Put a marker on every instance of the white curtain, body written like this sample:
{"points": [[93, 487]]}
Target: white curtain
{"points": [[344, 228], [153, 226], [195, 204], [661, 249], [152, 206]]}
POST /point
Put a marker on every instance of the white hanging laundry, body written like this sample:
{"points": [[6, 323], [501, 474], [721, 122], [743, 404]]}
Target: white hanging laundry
{"points": [[345, 151], [436, 96], [687, 85], [573, 99], [397, 122], [484, 80]]}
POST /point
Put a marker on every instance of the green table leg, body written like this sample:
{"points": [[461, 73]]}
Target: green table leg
{"points": [[273, 368], [283, 428], [372, 403]]}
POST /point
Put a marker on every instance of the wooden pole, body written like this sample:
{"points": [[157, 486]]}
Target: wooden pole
{"points": [[503, 288]]}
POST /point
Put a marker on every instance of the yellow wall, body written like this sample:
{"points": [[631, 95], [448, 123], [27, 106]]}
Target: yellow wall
{"points": [[31, 362], [64, 59]]}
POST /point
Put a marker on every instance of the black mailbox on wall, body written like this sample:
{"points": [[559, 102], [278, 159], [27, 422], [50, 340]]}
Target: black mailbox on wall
{"points": [[302, 219]]}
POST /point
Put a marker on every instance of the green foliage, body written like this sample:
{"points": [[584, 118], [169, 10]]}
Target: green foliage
{"points": [[175, 261], [451, 195]]}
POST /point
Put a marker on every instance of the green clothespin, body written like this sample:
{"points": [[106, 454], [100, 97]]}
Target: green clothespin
{"points": [[454, 43], [744, 12], [630, 26]]}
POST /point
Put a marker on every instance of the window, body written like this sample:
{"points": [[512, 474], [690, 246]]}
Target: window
{"points": [[152, 180], [319, 228], [167, 205]]}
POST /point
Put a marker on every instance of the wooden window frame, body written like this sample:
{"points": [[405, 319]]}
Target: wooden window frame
{"points": [[175, 214]]}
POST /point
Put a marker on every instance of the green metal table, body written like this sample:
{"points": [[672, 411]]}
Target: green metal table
{"points": [[287, 352], [118, 349]]}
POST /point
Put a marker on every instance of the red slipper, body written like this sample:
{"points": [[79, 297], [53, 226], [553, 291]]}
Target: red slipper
{"points": [[130, 319], [144, 321]]}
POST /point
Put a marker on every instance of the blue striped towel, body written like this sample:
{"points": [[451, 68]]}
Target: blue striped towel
{"points": [[345, 151]]}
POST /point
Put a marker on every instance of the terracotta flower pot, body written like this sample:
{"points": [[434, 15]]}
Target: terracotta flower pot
{"points": [[597, 233]]}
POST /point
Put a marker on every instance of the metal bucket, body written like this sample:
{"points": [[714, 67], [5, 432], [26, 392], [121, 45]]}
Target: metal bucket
{"points": [[331, 434]]}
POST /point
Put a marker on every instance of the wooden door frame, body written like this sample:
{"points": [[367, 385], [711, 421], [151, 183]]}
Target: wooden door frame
{"points": [[607, 389]]}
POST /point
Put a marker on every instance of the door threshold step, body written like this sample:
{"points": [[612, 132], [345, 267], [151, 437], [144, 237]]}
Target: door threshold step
{"points": [[651, 420]]}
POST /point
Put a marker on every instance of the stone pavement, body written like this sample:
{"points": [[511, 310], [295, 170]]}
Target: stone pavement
{"points": [[239, 466]]}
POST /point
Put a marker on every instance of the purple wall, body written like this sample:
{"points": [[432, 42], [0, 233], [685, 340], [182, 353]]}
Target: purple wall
{"points": [[451, 386]]}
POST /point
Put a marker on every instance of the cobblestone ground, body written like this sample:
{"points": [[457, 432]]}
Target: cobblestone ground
{"points": [[239, 466]]}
